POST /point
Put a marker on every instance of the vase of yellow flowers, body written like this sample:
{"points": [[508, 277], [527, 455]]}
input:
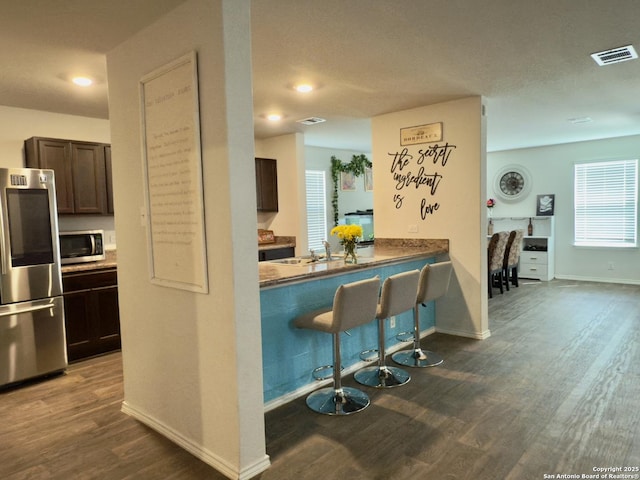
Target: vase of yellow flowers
{"points": [[349, 236]]}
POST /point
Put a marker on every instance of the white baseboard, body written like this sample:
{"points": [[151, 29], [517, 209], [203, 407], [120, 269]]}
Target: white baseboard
{"points": [[224, 467], [463, 333], [310, 387], [578, 278]]}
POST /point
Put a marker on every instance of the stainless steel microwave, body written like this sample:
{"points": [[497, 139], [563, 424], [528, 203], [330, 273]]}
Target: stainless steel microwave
{"points": [[81, 246]]}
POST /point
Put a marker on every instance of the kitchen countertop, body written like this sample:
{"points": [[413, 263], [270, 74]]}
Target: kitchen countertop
{"points": [[385, 251], [110, 261], [281, 242]]}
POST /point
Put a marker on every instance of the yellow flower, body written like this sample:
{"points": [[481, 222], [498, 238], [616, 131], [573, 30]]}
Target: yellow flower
{"points": [[348, 233]]}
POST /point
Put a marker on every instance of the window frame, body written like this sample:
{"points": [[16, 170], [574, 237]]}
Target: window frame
{"points": [[590, 194], [321, 201]]}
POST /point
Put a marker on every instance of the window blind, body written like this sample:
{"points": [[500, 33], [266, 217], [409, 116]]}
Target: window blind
{"points": [[316, 208], [606, 203]]}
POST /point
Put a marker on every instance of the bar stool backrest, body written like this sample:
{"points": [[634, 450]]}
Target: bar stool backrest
{"points": [[398, 294], [355, 304], [434, 281]]}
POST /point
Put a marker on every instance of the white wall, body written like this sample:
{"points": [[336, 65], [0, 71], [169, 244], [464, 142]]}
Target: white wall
{"points": [[19, 124], [460, 197], [193, 362], [551, 169], [293, 158], [317, 158], [291, 218]]}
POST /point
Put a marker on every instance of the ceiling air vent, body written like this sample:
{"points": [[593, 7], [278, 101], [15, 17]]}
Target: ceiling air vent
{"points": [[311, 120], [616, 55]]}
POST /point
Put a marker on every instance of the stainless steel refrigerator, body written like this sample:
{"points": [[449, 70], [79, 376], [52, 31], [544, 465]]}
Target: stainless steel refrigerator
{"points": [[32, 336]]}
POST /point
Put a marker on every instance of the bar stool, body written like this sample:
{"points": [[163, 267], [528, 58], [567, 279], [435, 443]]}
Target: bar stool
{"points": [[398, 295], [354, 304], [434, 283]]}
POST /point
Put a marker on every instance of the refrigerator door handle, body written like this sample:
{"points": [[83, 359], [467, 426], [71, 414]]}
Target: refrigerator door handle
{"points": [[25, 310], [3, 248]]}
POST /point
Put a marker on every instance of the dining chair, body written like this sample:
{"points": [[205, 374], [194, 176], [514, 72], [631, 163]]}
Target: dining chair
{"points": [[495, 258]]}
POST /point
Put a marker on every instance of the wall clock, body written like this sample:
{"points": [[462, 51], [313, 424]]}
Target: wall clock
{"points": [[512, 183]]}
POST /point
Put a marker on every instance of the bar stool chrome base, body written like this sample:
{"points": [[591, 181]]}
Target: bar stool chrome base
{"points": [[382, 376], [343, 401], [417, 358]]}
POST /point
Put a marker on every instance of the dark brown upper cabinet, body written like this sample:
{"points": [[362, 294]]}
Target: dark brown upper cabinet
{"points": [[107, 162], [267, 184], [81, 173]]}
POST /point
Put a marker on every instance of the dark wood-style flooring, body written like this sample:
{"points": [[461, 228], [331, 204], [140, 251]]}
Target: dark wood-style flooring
{"points": [[554, 390]]}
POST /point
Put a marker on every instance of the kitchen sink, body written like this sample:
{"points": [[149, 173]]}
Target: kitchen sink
{"points": [[301, 261], [289, 261], [306, 261]]}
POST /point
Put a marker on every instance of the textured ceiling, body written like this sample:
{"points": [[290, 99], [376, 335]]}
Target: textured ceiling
{"points": [[45, 42], [531, 60]]}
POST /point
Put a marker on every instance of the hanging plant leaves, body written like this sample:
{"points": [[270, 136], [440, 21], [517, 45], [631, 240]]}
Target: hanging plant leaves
{"points": [[356, 166]]}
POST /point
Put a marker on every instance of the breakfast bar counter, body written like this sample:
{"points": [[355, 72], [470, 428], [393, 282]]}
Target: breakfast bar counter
{"points": [[288, 290], [385, 252]]}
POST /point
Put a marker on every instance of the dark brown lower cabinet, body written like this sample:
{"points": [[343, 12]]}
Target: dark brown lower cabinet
{"points": [[91, 313], [276, 253]]}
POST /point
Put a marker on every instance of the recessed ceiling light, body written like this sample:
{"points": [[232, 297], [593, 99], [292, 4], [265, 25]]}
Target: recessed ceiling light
{"points": [[304, 88], [274, 117], [581, 120], [82, 81]]}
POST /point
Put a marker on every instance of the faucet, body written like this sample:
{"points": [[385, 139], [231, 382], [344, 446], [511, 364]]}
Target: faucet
{"points": [[327, 249]]}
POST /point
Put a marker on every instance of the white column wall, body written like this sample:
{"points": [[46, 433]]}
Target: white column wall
{"points": [[192, 362], [460, 195], [291, 218]]}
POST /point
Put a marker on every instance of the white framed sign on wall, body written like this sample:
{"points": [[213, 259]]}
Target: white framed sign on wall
{"points": [[173, 176]]}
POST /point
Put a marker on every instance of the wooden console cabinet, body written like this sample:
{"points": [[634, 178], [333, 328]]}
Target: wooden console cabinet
{"points": [[91, 313], [82, 173]]}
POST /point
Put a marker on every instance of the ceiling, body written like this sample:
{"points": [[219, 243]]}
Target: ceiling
{"points": [[530, 60]]}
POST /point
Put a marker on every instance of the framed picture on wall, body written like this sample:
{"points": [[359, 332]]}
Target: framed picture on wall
{"points": [[347, 181], [368, 180], [545, 205]]}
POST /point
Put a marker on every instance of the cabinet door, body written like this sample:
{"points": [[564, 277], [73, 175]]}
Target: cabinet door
{"points": [[109, 179], [54, 155], [107, 328], [78, 328], [89, 178], [267, 184], [91, 313], [276, 253]]}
